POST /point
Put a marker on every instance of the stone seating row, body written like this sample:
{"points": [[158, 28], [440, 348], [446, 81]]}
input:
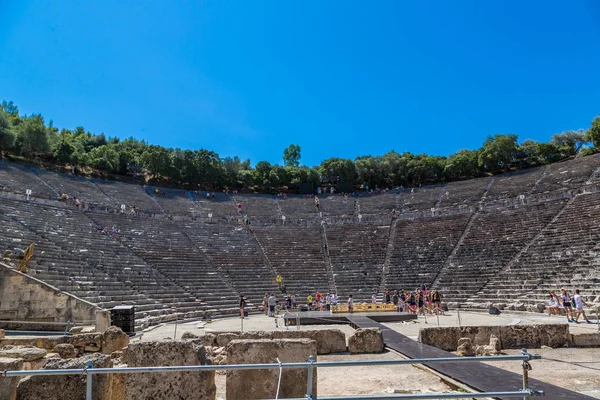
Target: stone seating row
{"points": [[17, 178], [297, 254], [569, 174], [357, 256], [469, 192], [569, 248], [421, 247], [493, 240]]}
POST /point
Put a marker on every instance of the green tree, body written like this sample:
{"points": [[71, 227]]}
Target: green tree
{"points": [[157, 160], [570, 142], [462, 165], [369, 171], [334, 170], [33, 137], [291, 156], [62, 150], [593, 134], [263, 171], [105, 158], [498, 153], [7, 135]]}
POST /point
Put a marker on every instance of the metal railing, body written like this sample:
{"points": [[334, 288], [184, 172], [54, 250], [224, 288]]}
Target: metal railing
{"points": [[311, 365], [68, 325]]}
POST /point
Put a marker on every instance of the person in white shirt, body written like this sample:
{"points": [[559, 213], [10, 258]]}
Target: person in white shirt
{"points": [[350, 304], [328, 302], [334, 299], [374, 298], [579, 304]]}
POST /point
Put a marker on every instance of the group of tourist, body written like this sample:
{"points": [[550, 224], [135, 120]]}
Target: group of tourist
{"points": [[418, 301], [322, 302], [105, 230], [567, 303]]}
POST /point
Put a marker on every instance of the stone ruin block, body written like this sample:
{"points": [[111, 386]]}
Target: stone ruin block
{"points": [[66, 387], [262, 383], [163, 385], [366, 340], [510, 336], [8, 388]]}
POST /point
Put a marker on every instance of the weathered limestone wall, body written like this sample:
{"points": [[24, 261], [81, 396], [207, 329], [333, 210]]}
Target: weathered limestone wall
{"points": [[328, 340], [510, 336], [262, 383], [24, 298]]}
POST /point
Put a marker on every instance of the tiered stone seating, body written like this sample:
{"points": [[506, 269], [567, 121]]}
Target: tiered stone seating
{"points": [[357, 254], [17, 178], [169, 265], [173, 200], [493, 239], [296, 253], [566, 254], [261, 206], [73, 186], [222, 206], [423, 198], [73, 256], [298, 207], [378, 203], [569, 174], [126, 193], [163, 244], [237, 255], [337, 205], [514, 184], [460, 193], [421, 246]]}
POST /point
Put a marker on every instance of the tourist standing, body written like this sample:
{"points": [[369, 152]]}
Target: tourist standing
{"points": [[328, 302], [272, 301], [395, 299], [334, 299], [436, 297], [279, 281], [265, 303], [242, 305], [374, 298], [350, 304], [566, 301], [579, 304], [293, 300]]}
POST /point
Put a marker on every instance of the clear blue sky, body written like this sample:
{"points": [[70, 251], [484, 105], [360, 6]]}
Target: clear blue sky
{"points": [[339, 78]]}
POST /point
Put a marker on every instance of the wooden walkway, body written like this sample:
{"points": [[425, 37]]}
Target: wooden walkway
{"points": [[477, 375]]}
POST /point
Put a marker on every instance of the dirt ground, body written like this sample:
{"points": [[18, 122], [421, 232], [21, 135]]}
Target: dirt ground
{"points": [[570, 368]]}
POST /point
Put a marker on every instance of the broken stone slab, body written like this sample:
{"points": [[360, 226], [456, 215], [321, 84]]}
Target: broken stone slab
{"points": [[262, 383], [366, 340], [586, 339], [113, 339], [465, 348], [65, 350], [25, 353]]}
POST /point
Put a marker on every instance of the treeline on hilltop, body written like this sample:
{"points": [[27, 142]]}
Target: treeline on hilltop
{"points": [[31, 139]]}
